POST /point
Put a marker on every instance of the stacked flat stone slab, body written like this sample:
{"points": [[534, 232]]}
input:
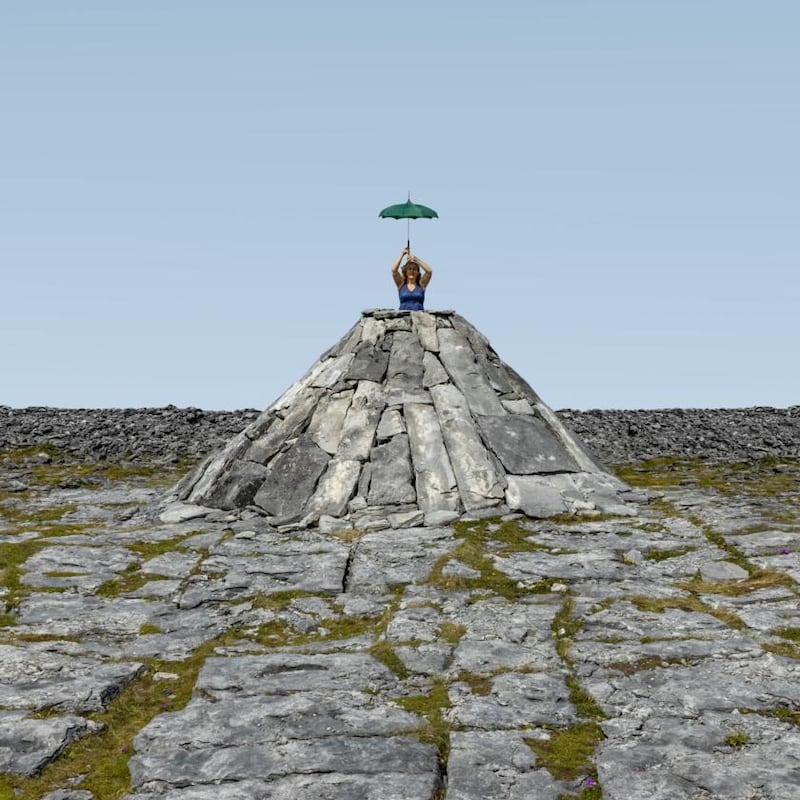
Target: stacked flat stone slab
{"points": [[412, 417]]}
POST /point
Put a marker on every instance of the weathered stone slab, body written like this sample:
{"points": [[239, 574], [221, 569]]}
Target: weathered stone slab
{"points": [[391, 480], [275, 673], [370, 363], [478, 483], [35, 677], [265, 718], [216, 468], [467, 374], [517, 406], [405, 363], [331, 786], [602, 490], [237, 486], [504, 636], [182, 512], [722, 571], [171, 565], [516, 700], [343, 755], [325, 428], [372, 330], [268, 444], [291, 478], [497, 375], [497, 765], [424, 325], [690, 757], [26, 745], [335, 489], [269, 563], [534, 495], [386, 559], [391, 424], [90, 566], [435, 480], [433, 372], [67, 615], [361, 422], [525, 445], [331, 371]]}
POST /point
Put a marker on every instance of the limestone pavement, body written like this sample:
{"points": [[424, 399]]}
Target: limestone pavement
{"points": [[625, 657]]}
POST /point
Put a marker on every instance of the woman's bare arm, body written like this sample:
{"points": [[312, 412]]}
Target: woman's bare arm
{"points": [[398, 278], [426, 278]]}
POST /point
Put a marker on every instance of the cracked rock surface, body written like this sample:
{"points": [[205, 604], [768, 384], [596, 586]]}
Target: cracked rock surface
{"points": [[650, 656]]}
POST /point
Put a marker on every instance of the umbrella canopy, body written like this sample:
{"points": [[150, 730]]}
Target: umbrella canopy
{"points": [[408, 211]]}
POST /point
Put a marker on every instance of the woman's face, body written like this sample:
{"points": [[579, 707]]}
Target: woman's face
{"points": [[412, 271]]}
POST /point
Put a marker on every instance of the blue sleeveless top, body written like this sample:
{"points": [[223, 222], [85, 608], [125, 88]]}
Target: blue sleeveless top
{"points": [[411, 300]]}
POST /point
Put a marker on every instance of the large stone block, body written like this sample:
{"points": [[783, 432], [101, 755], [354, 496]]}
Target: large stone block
{"points": [[525, 445], [361, 422], [435, 479], [478, 482], [282, 429], [325, 428], [534, 495], [291, 478], [460, 362], [424, 325], [237, 487], [405, 363], [335, 489], [370, 363], [391, 480]]}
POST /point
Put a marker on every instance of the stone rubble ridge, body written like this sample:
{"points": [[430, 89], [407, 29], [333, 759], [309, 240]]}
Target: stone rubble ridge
{"points": [[410, 418]]}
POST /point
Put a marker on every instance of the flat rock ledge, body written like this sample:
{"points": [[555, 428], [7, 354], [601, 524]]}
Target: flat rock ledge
{"points": [[411, 417]]}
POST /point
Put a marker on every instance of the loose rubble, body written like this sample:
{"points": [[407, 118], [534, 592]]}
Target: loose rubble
{"points": [[168, 435]]}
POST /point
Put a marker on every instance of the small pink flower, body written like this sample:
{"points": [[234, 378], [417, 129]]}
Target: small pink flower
{"points": [[590, 782], [786, 551]]}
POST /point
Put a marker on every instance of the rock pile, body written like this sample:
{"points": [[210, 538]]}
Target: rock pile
{"points": [[737, 434], [412, 416], [160, 435]]}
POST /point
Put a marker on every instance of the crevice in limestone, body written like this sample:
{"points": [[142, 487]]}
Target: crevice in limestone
{"points": [[348, 566]]}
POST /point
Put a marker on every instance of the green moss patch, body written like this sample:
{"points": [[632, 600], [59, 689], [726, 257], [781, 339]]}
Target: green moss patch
{"points": [[569, 752]]}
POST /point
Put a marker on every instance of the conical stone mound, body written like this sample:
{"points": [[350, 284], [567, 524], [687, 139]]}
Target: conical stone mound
{"points": [[411, 418]]}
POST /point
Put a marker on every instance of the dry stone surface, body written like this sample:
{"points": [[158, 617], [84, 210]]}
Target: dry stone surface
{"points": [[431, 662], [410, 411]]}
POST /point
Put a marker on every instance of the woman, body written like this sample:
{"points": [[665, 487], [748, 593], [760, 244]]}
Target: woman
{"points": [[410, 286]]}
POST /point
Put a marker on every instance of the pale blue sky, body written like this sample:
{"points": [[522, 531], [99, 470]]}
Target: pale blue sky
{"points": [[189, 193]]}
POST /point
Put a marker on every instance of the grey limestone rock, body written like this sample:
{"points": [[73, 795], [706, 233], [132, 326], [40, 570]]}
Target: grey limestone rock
{"points": [[525, 445], [26, 744], [391, 480], [435, 479], [460, 363], [335, 489], [37, 677], [478, 482], [291, 478], [470, 421], [497, 765], [325, 428]]}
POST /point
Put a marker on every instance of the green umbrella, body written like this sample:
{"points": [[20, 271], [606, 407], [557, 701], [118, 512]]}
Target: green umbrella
{"points": [[408, 211]]}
